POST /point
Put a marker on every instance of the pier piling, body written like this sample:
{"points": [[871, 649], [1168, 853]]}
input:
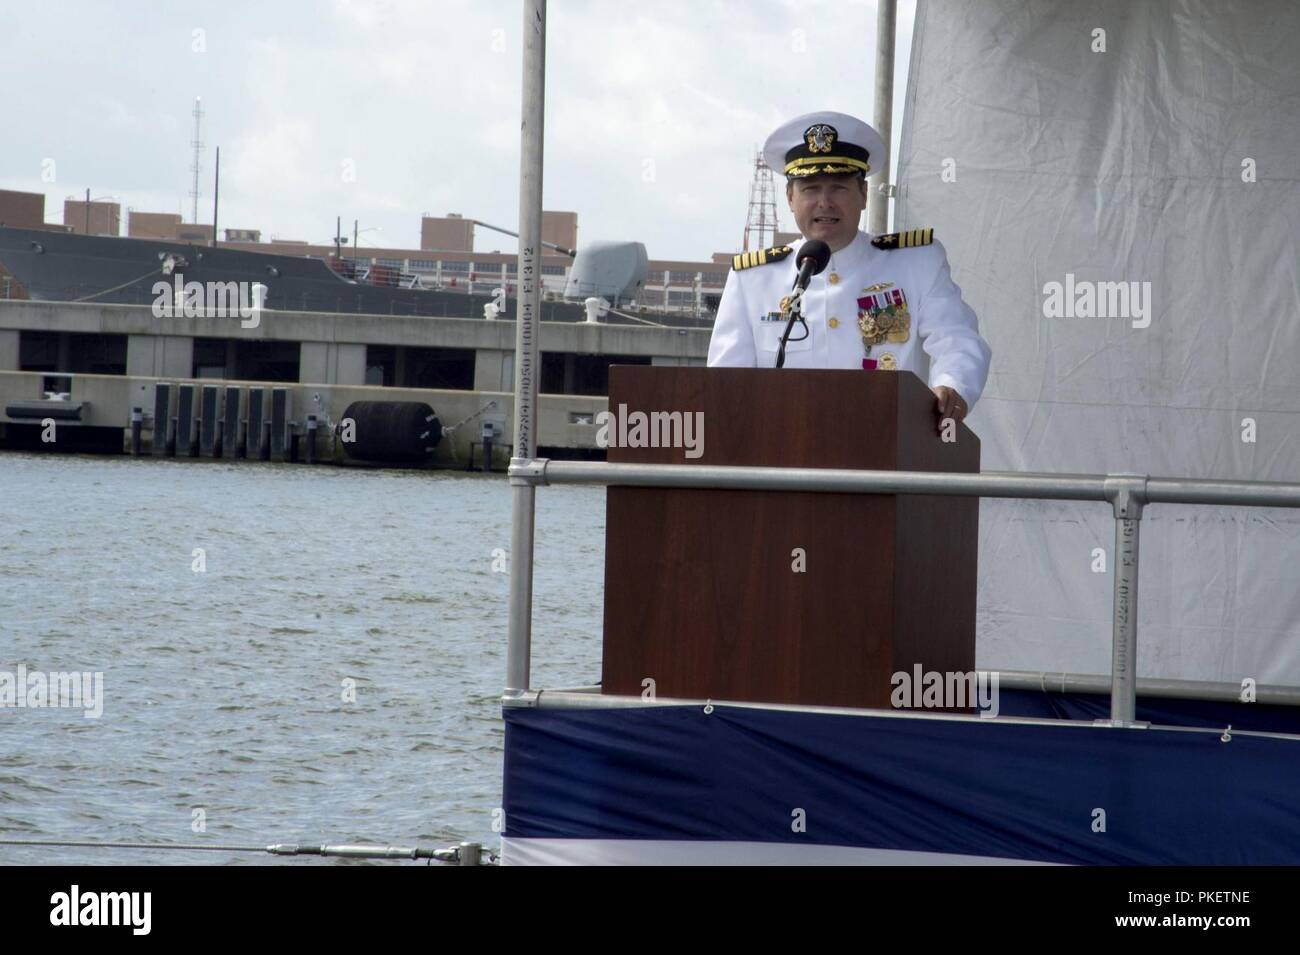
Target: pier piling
{"points": [[230, 424], [489, 432], [184, 421], [256, 398], [162, 398], [279, 424], [208, 422], [311, 439]]}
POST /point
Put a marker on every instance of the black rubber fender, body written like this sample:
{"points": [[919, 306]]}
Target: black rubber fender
{"points": [[389, 430]]}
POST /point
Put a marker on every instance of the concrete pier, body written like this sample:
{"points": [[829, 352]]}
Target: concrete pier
{"points": [[328, 348], [565, 421], [332, 357]]}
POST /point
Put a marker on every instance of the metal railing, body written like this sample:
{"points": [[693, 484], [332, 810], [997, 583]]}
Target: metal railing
{"points": [[1128, 495]]}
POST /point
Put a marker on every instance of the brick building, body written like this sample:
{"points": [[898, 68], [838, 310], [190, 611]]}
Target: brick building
{"points": [[22, 210], [93, 218]]}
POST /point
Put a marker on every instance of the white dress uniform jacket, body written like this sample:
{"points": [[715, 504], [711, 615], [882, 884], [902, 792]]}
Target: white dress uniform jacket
{"points": [[920, 318]]}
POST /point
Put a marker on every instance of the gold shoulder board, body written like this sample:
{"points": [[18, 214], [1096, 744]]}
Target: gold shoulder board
{"points": [[904, 240], [747, 260]]}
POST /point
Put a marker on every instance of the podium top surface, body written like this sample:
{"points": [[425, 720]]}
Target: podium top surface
{"points": [[832, 418]]}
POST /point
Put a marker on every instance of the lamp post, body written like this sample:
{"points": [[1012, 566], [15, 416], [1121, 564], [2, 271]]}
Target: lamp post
{"points": [[356, 233]]}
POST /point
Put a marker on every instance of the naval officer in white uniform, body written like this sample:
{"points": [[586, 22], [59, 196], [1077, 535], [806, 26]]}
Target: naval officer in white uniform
{"points": [[883, 303]]}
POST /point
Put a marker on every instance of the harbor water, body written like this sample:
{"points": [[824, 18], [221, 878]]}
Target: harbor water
{"points": [[290, 654]]}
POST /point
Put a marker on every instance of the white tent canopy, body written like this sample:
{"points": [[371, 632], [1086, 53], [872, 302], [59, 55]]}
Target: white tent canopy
{"points": [[1118, 188]]}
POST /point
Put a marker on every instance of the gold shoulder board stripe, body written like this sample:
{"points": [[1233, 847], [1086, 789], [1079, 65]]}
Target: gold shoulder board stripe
{"points": [[911, 239], [747, 260]]}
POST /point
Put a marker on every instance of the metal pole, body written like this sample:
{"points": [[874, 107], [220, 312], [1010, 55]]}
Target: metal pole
{"points": [[1123, 660], [87, 212], [529, 303], [1083, 487], [883, 114], [216, 195], [1127, 494], [1042, 682], [1013, 484], [469, 853]]}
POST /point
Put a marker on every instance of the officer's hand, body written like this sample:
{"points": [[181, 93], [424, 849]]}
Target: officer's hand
{"points": [[949, 404]]}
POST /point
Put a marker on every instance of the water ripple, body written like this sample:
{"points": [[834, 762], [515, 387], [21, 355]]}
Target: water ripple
{"points": [[332, 675]]}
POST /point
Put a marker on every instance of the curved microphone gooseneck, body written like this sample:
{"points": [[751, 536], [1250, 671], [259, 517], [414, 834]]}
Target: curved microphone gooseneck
{"points": [[812, 258]]}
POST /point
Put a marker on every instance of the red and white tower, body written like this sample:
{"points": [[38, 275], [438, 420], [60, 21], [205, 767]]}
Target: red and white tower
{"points": [[761, 226]]}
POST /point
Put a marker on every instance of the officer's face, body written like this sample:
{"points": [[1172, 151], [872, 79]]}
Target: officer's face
{"points": [[827, 207]]}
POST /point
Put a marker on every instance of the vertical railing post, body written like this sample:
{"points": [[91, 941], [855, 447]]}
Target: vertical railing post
{"points": [[882, 115], [1127, 495], [527, 328]]}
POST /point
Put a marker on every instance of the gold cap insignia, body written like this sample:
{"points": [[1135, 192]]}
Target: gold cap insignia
{"points": [[820, 138]]}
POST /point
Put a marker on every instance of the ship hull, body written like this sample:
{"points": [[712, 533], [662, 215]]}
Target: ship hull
{"points": [[65, 267]]}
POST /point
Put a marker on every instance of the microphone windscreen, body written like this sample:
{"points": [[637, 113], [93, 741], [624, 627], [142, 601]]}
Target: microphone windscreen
{"points": [[818, 251]]}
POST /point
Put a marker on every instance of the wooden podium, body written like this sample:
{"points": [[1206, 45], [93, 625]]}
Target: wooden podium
{"points": [[702, 588]]}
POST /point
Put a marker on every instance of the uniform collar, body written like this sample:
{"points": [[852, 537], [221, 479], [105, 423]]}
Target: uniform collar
{"points": [[852, 255]]}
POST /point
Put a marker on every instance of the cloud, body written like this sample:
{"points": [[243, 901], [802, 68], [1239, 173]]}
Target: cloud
{"points": [[653, 114]]}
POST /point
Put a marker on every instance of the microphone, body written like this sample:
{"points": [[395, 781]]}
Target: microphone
{"points": [[812, 258]]}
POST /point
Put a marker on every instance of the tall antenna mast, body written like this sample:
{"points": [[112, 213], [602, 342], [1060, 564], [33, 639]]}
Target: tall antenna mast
{"points": [[197, 143], [761, 225]]}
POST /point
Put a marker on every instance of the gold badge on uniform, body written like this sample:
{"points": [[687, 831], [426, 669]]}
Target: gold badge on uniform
{"points": [[883, 317], [887, 362], [879, 286]]}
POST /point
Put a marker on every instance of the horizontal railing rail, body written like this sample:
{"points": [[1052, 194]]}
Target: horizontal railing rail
{"points": [[1128, 494], [1008, 484]]}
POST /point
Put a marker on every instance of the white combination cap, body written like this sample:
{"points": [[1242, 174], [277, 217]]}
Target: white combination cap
{"points": [[825, 143]]}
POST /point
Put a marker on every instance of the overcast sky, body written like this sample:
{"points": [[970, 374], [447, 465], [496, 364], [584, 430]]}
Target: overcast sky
{"points": [[383, 110]]}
